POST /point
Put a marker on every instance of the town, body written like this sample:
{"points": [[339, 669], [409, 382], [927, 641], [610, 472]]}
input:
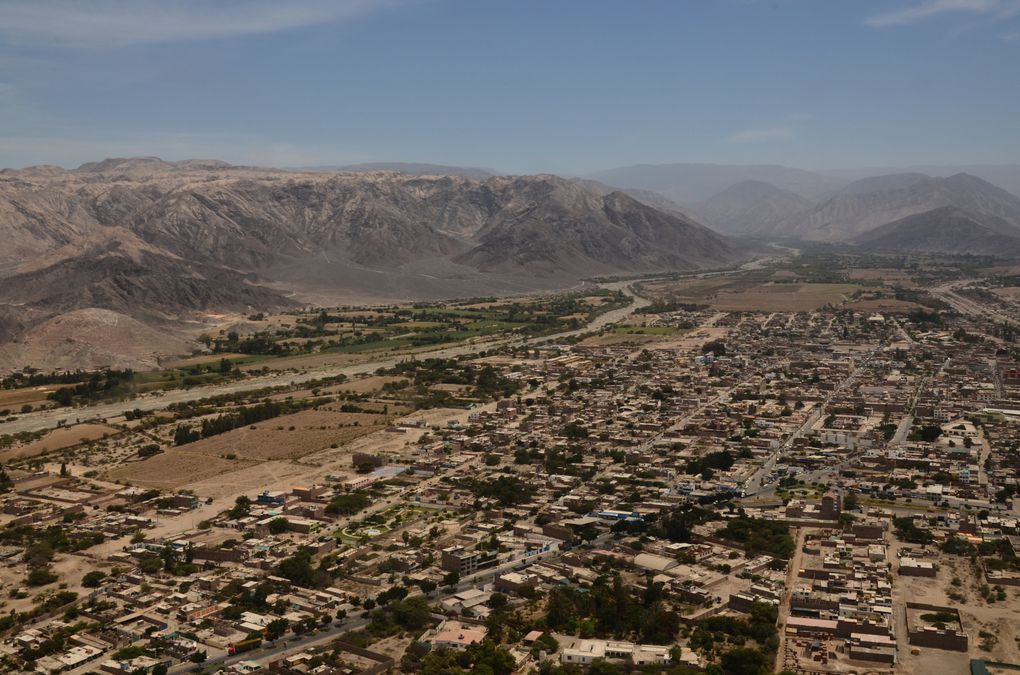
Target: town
{"points": [[674, 483]]}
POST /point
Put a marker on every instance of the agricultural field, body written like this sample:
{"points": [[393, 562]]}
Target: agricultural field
{"points": [[750, 292]]}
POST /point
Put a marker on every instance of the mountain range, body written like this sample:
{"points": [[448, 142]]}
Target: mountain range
{"points": [[873, 202], [763, 210], [142, 248], [688, 183], [163, 242], [750, 207], [946, 229]]}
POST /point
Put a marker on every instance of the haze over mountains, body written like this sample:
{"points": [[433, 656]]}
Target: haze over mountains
{"points": [[750, 207], [843, 214], [126, 246], [945, 229], [687, 183]]}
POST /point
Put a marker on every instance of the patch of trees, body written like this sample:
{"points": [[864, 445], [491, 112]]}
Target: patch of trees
{"points": [[907, 531], [31, 377], [410, 614], [486, 657], [678, 524], [259, 343], [507, 490], [149, 450], [93, 579], [717, 347], [95, 387], [712, 634], [608, 609], [664, 306], [574, 431], [348, 504], [278, 525], [721, 460], [760, 536], [563, 461], [929, 433], [54, 538], [299, 570], [490, 384]]}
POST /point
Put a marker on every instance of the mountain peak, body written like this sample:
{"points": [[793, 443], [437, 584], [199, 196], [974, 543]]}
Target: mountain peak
{"points": [[750, 207]]}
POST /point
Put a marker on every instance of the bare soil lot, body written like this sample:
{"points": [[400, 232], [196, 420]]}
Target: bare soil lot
{"points": [[13, 399], [58, 439], [283, 438], [289, 437], [175, 468]]}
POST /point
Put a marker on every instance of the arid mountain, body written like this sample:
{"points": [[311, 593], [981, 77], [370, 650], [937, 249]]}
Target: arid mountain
{"points": [[751, 207], [1005, 176], [873, 202], [689, 183], [414, 169], [93, 338], [945, 230], [555, 226], [646, 197], [163, 241]]}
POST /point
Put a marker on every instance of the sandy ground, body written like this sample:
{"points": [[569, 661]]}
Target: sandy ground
{"points": [[281, 438], [223, 487], [1001, 618], [58, 440], [68, 568]]}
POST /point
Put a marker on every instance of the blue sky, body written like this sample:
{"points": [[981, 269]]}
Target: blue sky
{"points": [[566, 86]]}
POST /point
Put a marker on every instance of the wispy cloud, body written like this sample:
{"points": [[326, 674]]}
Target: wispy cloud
{"points": [[112, 23], [999, 9], [761, 135]]}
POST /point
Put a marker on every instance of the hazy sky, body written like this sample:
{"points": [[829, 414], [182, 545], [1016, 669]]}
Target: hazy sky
{"points": [[520, 85]]}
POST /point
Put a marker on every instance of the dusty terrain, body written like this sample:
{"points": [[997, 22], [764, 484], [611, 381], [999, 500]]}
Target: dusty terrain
{"points": [[59, 439]]}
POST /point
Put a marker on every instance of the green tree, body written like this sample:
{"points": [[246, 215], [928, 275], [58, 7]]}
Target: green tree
{"points": [[745, 661], [93, 579], [278, 525]]}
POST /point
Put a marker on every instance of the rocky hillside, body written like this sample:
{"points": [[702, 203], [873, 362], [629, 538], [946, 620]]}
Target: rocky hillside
{"points": [[945, 230], [159, 240], [873, 202]]}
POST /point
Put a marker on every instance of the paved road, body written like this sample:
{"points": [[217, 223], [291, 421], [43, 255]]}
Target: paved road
{"points": [[948, 293], [47, 419]]}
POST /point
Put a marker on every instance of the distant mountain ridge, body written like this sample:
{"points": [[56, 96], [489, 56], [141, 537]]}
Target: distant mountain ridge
{"points": [[750, 207], [414, 169], [689, 183], [876, 201], [1005, 176]]}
